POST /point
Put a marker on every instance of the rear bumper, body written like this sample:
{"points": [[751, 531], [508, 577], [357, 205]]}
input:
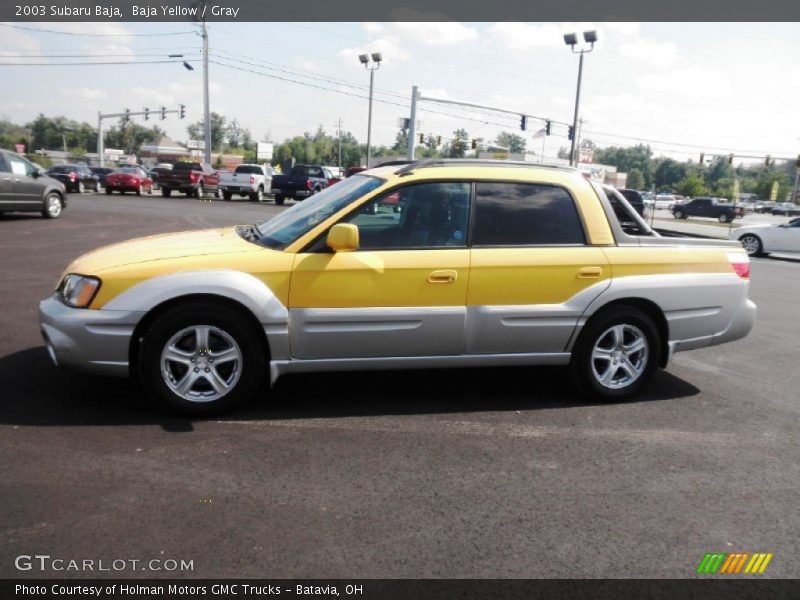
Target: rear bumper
{"points": [[95, 341], [740, 325]]}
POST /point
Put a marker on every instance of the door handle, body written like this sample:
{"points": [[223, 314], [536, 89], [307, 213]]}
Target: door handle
{"points": [[589, 272], [446, 276]]}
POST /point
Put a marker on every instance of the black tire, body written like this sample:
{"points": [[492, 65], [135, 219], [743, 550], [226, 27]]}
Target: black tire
{"points": [[198, 313], [723, 218], [678, 214], [139, 190], [53, 205], [279, 200], [752, 244], [166, 192], [584, 367], [108, 191], [258, 195], [81, 188], [227, 196], [199, 192]]}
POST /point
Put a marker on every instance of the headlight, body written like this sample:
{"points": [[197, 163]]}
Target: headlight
{"points": [[78, 291]]}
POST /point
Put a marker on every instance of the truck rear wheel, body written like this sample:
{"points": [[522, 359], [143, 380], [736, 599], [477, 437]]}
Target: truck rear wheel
{"points": [[227, 195], [616, 354], [279, 199], [166, 192]]}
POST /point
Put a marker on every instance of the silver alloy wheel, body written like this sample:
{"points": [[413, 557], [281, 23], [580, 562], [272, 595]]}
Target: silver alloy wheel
{"points": [[53, 205], [201, 363], [619, 356], [750, 244]]}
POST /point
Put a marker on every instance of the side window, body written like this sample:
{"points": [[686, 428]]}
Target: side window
{"points": [[20, 166], [4, 167], [523, 214], [426, 215]]}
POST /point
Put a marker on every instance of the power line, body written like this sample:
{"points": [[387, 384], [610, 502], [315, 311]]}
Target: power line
{"points": [[80, 34], [88, 64]]}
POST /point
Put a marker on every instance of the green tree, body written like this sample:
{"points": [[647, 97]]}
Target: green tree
{"points": [[515, 143], [668, 173], [196, 131], [692, 185], [635, 179], [625, 159]]}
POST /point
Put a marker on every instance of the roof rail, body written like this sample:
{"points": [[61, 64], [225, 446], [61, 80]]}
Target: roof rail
{"points": [[446, 162]]}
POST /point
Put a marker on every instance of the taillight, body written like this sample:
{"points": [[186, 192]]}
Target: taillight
{"points": [[194, 176], [740, 263], [73, 176], [252, 179], [309, 185]]}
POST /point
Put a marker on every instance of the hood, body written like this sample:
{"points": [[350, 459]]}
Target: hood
{"points": [[160, 248]]}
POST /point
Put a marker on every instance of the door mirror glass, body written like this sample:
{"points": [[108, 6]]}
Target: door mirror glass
{"points": [[343, 237]]}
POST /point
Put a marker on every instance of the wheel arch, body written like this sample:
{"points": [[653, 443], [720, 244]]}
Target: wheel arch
{"points": [[154, 313], [648, 307]]}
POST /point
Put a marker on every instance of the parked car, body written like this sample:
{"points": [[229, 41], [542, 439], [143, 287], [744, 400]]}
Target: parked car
{"points": [[301, 182], [191, 178], [764, 206], [786, 209], [100, 173], [251, 181], [487, 264], [350, 171], [23, 187], [635, 199], [724, 212], [76, 178], [129, 179], [663, 201], [763, 238]]}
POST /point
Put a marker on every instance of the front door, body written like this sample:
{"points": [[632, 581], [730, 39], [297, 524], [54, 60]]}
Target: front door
{"points": [[532, 273], [26, 189], [402, 293]]}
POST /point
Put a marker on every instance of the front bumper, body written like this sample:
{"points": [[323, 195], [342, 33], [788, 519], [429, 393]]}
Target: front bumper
{"points": [[95, 341]]}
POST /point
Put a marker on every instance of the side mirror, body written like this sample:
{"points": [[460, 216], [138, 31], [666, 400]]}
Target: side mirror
{"points": [[36, 173], [343, 237]]}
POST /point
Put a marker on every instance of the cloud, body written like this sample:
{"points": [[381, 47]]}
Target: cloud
{"points": [[658, 54], [14, 44], [85, 93]]}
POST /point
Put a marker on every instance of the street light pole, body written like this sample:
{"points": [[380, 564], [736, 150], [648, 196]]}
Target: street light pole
{"points": [[590, 37], [364, 59], [206, 110]]}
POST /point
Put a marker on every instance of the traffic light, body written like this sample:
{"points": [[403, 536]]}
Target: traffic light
{"points": [[797, 162], [163, 112], [571, 133], [523, 122], [702, 158], [146, 114], [183, 110], [547, 128], [127, 116], [421, 138], [730, 159], [474, 144], [768, 161]]}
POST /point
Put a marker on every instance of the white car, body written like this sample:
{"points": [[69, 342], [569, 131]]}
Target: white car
{"points": [[765, 238], [663, 201]]}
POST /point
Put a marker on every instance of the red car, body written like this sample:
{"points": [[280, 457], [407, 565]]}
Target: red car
{"points": [[129, 179]]}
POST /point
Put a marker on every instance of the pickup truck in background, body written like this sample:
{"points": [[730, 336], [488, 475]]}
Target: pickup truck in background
{"points": [[708, 207], [252, 181], [190, 178], [303, 181]]}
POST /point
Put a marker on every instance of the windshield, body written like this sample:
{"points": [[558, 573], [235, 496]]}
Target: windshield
{"points": [[291, 224]]}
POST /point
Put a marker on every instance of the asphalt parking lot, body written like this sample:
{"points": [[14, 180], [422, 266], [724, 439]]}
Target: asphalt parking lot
{"points": [[458, 474]]}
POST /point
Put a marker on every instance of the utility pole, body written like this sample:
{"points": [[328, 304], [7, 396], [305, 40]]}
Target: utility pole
{"points": [[206, 110], [340, 145], [412, 124], [100, 149]]}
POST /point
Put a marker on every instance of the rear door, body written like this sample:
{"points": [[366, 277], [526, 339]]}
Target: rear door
{"points": [[6, 184], [532, 273]]}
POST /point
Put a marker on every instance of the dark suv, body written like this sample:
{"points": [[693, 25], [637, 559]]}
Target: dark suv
{"points": [[76, 178], [23, 188], [635, 199]]}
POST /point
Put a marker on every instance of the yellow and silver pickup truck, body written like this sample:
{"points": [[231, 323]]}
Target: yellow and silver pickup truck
{"points": [[431, 264]]}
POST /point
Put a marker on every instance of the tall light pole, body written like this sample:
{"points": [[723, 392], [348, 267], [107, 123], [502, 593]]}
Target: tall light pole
{"points": [[571, 39], [373, 66], [206, 111]]}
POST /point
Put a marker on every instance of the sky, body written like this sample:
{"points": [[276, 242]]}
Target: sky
{"points": [[684, 88]]}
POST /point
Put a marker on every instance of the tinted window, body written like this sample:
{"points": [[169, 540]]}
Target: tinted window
{"points": [[517, 214], [427, 215], [20, 166], [187, 166], [252, 169]]}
